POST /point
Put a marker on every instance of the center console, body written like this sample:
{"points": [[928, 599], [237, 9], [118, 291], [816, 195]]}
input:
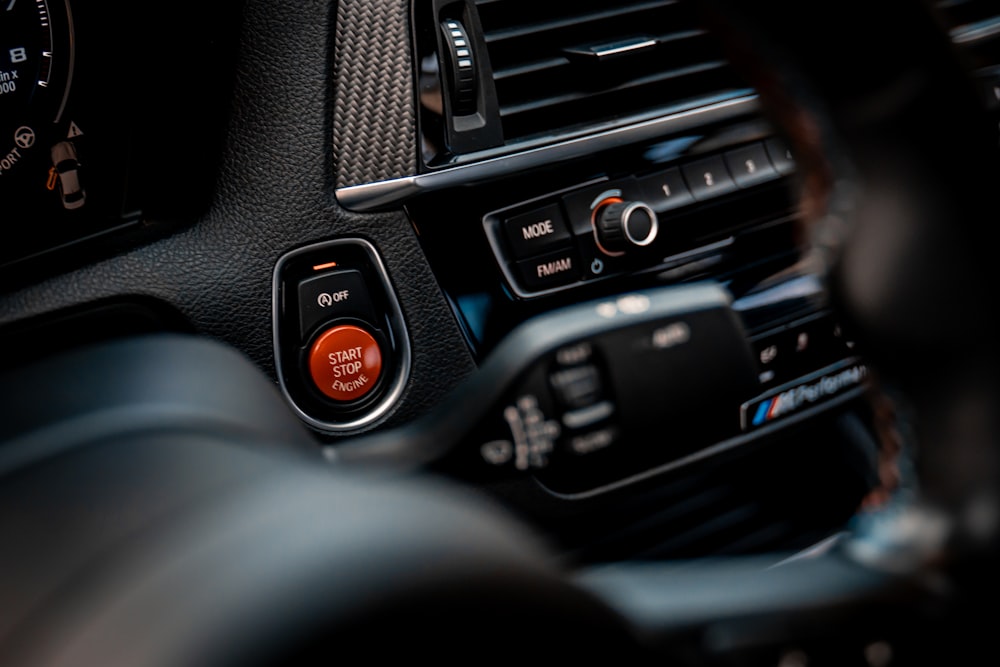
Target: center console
{"points": [[578, 168]]}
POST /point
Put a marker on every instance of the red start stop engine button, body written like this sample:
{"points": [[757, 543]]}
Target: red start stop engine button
{"points": [[345, 362]]}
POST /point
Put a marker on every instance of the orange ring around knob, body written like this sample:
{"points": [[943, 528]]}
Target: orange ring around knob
{"points": [[345, 362], [607, 201]]}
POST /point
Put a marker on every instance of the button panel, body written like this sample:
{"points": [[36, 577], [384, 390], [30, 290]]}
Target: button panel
{"points": [[800, 347], [341, 347], [579, 415], [560, 240]]}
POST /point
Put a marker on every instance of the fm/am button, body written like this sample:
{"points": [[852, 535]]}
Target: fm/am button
{"points": [[554, 269]]}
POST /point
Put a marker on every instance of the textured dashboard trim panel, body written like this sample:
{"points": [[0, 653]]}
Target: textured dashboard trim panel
{"points": [[374, 122]]}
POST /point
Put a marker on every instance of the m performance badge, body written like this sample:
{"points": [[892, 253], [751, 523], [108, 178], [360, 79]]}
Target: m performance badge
{"points": [[802, 394]]}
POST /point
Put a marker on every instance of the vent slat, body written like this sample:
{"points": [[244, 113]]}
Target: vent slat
{"points": [[534, 67], [637, 83], [557, 72], [556, 24], [530, 68]]}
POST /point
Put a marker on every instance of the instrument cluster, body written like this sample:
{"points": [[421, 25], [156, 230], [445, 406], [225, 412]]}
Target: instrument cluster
{"points": [[102, 106]]}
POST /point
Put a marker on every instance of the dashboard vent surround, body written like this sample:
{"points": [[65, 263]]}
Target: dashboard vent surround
{"points": [[564, 68]]}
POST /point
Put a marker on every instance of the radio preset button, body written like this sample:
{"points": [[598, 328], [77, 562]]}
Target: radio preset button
{"points": [[781, 155], [666, 190], [709, 178], [750, 165]]}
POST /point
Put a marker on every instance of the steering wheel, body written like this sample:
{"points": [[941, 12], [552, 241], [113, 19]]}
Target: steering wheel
{"points": [[192, 521]]}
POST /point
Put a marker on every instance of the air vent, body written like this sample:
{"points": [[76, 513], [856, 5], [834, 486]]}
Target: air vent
{"points": [[564, 68], [975, 27]]}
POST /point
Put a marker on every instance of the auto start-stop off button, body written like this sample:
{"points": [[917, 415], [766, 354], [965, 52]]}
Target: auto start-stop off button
{"points": [[345, 362]]}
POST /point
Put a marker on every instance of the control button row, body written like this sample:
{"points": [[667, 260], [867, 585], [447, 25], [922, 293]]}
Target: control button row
{"points": [[799, 348], [587, 410], [586, 234], [544, 229], [569, 413], [718, 175]]}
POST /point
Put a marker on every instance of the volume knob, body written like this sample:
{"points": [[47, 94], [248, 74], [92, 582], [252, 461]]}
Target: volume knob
{"points": [[620, 225]]}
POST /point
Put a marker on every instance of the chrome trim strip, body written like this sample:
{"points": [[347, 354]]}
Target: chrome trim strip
{"points": [[820, 548], [392, 193], [615, 49]]}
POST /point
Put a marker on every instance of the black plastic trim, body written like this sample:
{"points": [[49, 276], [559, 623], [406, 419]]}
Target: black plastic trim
{"points": [[479, 128], [714, 450]]}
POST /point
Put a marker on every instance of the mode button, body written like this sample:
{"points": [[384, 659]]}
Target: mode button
{"points": [[537, 231]]}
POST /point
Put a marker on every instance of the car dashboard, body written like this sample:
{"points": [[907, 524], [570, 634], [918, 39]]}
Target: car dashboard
{"points": [[375, 201]]}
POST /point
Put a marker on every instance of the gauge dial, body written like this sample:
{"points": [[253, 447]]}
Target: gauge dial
{"points": [[32, 58]]}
